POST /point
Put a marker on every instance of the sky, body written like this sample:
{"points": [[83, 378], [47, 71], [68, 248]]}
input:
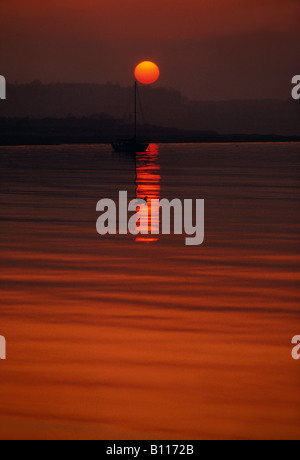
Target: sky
{"points": [[208, 49]]}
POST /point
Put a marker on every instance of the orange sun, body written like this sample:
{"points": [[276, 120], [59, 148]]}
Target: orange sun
{"points": [[147, 72]]}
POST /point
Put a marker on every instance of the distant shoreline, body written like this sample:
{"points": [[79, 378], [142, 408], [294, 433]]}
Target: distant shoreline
{"points": [[21, 141], [108, 143], [67, 131], [86, 142]]}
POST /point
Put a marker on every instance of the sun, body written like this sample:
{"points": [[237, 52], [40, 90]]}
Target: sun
{"points": [[147, 72]]}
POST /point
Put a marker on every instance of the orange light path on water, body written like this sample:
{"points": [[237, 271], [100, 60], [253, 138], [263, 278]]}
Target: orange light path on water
{"points": [[148, 189]]}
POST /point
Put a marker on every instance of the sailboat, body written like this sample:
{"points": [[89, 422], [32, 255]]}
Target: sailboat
{"points": [[131, 145]]}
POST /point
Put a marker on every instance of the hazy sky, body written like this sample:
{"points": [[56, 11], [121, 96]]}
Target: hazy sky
{"points": [[209, 49]]}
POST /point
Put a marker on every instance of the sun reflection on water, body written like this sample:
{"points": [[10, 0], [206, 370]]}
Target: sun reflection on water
{"points": [[147, 189]]}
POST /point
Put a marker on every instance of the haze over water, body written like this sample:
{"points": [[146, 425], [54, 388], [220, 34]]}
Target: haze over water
{"points": [[119, 337]]}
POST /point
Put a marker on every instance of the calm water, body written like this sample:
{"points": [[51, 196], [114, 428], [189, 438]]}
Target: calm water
{"points": [[122, 337]]}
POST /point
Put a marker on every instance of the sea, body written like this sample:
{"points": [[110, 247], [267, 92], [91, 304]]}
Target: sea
{"points": [[143, 337]]}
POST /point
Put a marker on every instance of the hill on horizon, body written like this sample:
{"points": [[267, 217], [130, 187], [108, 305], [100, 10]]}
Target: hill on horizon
{"points": [[159, 106]]}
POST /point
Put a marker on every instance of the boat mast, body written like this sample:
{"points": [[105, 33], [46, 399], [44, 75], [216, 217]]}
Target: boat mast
{"points": [[135, 109]]}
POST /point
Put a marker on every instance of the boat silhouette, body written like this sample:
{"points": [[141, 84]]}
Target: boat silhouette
{"points": [[132, 144]]}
